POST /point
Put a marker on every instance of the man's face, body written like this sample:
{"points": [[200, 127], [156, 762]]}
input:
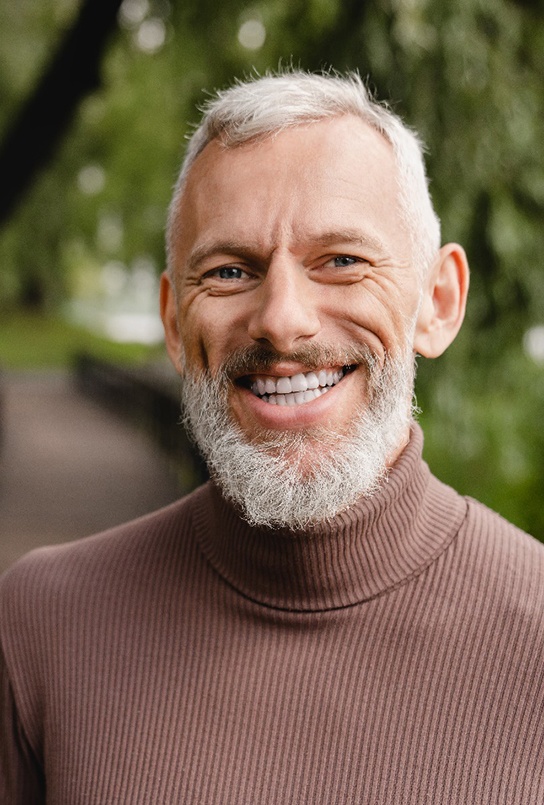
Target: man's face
{"points": [[295, 244]]}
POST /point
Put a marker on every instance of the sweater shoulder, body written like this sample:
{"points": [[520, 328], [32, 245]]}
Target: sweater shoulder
{"points": [[61, 602], [99, 564], [496, 556], [510, 541]]}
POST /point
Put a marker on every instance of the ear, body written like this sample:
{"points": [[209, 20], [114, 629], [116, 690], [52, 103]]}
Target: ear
{"points": [[169, 316], [444, 300]]}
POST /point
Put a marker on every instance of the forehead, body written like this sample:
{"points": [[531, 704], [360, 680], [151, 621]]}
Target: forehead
{"points": [[332, 173]]}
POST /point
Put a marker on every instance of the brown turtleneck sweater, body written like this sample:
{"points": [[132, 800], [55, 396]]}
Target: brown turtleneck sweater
{"points": [[395, 657]]}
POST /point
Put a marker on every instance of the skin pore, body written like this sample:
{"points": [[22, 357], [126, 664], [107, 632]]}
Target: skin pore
{"points": [[293, 256]]}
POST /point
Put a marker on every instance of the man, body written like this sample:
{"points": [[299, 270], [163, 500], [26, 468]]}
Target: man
{"points": [[324, 622]]}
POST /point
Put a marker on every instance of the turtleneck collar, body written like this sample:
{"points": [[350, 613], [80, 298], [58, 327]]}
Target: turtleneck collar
{"points": [[372, 547]]}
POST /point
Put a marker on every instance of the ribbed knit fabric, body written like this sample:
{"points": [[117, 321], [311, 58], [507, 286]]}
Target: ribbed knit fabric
{"points": [[393, 658]]}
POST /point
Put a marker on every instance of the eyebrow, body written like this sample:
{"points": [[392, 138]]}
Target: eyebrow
{"points": [[349, 236], [324, 239], [231, 247]]}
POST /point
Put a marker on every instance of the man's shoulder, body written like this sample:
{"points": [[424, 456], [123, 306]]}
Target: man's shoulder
{"points": [[485, 524], [111, 557], [502, 559]]}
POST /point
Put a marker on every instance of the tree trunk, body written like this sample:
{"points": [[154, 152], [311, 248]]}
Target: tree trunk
{"points": [[73, 72]]}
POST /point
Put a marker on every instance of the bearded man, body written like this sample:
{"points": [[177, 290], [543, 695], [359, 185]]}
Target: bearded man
{"points": [[323, 621]]}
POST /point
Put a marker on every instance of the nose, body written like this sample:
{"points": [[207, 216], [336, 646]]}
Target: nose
{"points": [[285, 313]]}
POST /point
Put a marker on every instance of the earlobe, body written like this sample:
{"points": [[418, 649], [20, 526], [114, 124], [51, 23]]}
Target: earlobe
{"points": [[169, 316], [444, 301]]}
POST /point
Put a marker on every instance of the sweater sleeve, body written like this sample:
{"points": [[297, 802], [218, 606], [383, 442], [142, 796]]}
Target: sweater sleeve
{"points": [[21, 782]]}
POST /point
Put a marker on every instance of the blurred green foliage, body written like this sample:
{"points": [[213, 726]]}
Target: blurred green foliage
{"points": [[32, 340], [467, 74]]}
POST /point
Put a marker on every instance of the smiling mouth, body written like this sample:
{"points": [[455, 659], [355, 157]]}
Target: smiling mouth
{"points": [[297, 389]]}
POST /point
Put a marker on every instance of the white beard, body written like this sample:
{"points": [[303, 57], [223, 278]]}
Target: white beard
{"points": [[298, 479]]}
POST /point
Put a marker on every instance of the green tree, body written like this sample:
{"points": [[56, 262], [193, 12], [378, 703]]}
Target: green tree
{"points": [[467, 75]]}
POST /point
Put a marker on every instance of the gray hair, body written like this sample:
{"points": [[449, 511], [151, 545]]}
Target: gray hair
{"points": [[264, 106]]}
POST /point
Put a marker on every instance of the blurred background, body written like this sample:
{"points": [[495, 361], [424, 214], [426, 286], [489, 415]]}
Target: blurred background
{"points": [[96, 100]]}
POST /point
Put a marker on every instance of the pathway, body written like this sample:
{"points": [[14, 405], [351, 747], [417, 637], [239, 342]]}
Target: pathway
{"points": [[68, 468]]}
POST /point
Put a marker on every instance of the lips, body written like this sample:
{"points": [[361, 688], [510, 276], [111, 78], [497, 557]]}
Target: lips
{"points": [[296, 389]]}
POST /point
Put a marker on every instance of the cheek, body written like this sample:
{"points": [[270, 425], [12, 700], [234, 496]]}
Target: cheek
{"points": [[379, 320], [209, 333]]}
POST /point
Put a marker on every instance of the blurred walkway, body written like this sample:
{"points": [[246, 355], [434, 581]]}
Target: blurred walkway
{"points": [[68, 468]]}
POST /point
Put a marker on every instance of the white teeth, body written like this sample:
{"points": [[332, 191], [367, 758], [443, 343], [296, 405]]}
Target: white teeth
{"points": [[260, 388], [312, 380], [283, 385], [298, 383], [295, 390], [295, 398]]}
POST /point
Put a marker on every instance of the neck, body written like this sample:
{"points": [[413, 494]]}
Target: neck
{"points": [[371, 547]]}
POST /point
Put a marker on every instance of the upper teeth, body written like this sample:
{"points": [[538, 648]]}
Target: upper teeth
{"points": [[316, 382]]}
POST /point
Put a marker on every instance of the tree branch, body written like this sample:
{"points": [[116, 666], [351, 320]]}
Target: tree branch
{"points": [[38, 129]]}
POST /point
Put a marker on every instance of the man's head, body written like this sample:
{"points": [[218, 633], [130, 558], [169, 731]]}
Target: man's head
{"points": [[265, 106], [304, 275]]}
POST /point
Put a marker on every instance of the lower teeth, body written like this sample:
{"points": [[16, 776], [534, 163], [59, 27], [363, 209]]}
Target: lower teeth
{"points": [[295, 397]]}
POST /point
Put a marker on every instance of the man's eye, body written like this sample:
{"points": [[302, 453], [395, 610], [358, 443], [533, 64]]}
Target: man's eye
{"points": [[344, 260], [229, 273]]}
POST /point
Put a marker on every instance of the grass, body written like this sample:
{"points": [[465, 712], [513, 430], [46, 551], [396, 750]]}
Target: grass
{"points": [[37, 341]]}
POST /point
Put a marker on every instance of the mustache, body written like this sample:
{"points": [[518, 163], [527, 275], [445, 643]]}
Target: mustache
{"points": [[260, 359]]}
